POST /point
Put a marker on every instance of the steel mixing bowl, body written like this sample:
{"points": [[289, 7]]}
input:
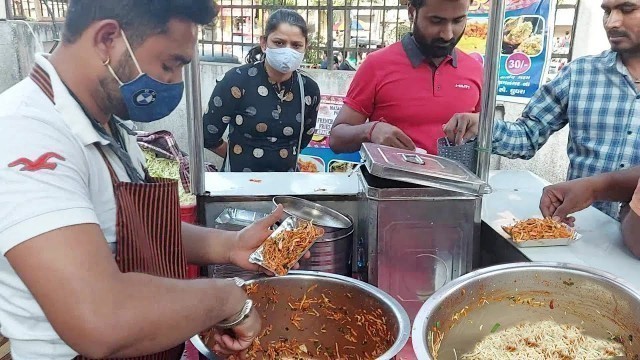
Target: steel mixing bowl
{"points": [[596, 301], [347, 293]]}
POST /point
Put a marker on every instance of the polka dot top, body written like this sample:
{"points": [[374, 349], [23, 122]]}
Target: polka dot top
{"points": [[264, 120]]}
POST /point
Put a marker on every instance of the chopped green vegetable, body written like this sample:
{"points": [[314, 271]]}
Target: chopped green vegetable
{"points": [[495, 328], [168, 169], [438, 324]]}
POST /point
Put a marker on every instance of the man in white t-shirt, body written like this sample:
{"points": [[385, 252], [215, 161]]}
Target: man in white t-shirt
{"points": [[94, 253]]}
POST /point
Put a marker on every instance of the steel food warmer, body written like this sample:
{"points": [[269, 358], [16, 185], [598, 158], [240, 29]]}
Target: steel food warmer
{"points": [[404, 222]]}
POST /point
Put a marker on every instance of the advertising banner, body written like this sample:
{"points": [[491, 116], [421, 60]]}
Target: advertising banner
{"points": [[526, 44], [318, 157]]}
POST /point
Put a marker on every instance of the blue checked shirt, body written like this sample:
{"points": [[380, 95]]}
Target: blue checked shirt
{"points": [[597, 97]]}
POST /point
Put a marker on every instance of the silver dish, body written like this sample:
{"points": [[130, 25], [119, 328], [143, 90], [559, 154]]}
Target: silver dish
{"points": [[296, 284], [239, 217], [310, 211], [570, 294]]}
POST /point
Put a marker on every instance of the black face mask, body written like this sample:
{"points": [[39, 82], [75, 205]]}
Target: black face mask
{"points": [[434, 49]]}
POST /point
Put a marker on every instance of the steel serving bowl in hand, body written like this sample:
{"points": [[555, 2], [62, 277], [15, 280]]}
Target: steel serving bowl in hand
{"points": [[278, 301], [467, 309]]}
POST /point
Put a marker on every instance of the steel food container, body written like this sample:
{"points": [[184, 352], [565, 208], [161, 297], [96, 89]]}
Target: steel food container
{"points": [[297, 284], [596, 301], [420, 221]]}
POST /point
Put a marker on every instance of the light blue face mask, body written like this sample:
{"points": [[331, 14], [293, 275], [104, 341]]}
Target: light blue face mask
{"points": [[146, 98]]}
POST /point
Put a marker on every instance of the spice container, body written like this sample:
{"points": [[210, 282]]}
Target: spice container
{"points": [[286, 246]]}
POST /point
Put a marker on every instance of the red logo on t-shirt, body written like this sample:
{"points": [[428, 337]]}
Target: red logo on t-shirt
{"points": [[41, 163]]}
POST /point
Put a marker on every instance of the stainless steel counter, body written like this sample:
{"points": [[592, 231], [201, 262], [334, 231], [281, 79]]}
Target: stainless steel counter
{"points": [[516, 195]]}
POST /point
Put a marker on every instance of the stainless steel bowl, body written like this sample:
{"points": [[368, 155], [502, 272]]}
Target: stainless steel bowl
{"points": [[310, 211], [584, 297], [296, 284]]}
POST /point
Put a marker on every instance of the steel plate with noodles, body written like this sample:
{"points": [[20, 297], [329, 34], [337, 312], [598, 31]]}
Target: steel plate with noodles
{"points": [[309, 315], [530, 311]]}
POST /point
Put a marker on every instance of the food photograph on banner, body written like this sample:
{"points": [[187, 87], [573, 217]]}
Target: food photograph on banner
{"points": [[318, 157], [526, 44]]}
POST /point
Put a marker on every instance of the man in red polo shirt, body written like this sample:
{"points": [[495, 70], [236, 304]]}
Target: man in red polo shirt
{"points": [[411, 89]]}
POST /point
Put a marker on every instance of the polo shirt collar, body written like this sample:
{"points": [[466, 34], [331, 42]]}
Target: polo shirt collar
{"points": [[415, 55], [72, 113]]}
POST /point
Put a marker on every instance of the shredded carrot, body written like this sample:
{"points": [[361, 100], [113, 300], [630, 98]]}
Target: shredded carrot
{"points": [[375, 338], [538, 229]]}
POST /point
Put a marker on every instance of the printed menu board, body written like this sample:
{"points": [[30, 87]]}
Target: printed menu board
{"points": [[526, 44], [318, 157]]}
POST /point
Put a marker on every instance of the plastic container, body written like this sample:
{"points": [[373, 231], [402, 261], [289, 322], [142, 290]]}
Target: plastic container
{"points": [[189, 214]]}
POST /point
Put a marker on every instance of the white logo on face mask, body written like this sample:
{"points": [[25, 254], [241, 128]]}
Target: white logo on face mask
{"points": [[284, 59]]}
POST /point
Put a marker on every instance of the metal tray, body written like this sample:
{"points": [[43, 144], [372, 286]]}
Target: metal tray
{"points": [[545, 242], [420, 169], [310, 211], [239, 217]]}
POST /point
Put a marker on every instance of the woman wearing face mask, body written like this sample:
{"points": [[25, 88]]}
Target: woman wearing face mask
{"points": [[269, 107]]}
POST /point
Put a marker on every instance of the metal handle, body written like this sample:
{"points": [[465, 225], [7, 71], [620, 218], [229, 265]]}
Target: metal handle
{"points": [[413, 158]]}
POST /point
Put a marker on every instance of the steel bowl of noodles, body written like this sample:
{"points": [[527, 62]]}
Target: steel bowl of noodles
{"points": [[314, 315], [530, 311]]}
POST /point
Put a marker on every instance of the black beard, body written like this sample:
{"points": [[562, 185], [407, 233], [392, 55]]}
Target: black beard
{"points": [[434, 49], [112, 97]]}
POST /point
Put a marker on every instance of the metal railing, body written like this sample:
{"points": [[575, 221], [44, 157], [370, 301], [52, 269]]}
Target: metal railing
{"points": [[351, 27], [37, 10]]}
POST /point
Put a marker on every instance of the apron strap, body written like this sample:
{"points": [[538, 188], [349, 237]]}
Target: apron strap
{"points": [[43, 81], [112, 172]]}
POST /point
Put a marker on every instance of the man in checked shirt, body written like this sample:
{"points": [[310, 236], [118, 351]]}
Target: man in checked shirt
{"points": [[597, 96]]}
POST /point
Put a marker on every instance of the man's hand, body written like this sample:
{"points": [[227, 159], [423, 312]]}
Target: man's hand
{"points": [[635, 200], [462, 128], [389, 135], [561, 200], [250, 238], [238, 340]]}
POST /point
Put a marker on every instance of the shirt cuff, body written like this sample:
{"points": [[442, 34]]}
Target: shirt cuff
{"points": [[42, 224]]}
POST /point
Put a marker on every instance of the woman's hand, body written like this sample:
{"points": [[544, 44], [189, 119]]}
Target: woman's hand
{"points": [[250, 238]]}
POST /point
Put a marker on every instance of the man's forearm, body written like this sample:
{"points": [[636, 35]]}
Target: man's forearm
{"points": [[617, 185], [513, 140], [204, 246], [148, 314], [347, 138], [631, 232], [220, 150]]}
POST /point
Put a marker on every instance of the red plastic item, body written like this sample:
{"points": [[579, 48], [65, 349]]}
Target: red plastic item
{"points": [[189, 214]]}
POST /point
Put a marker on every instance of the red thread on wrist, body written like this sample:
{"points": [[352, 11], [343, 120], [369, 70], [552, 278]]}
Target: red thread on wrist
{"points": [[375, 123]]}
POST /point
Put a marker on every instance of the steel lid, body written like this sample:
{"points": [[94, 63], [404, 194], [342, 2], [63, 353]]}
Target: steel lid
{"points": [[421, 169], [310, 211]]}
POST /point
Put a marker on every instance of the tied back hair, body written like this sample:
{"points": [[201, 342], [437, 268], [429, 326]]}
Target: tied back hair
{"points": [[280, 16]]}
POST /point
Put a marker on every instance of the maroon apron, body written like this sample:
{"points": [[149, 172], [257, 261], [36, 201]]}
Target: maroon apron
{"points": [[148, 226]]}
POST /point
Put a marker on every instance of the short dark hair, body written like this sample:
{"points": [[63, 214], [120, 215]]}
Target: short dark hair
{"points": [[420, 3], [138, 18]]}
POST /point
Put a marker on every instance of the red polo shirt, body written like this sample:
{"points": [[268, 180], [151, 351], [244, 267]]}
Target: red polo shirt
{"points": [[398, 85]]}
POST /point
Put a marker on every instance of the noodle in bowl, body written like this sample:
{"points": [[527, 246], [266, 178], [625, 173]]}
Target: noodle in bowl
{"points": [[321, 313], [530, 311]]}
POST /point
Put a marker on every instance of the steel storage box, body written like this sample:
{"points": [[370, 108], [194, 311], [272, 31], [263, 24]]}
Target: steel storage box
{"points": [[419, 219]]}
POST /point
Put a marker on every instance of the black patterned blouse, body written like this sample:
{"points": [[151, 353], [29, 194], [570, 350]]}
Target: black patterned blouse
{"points": [[264, 120]]}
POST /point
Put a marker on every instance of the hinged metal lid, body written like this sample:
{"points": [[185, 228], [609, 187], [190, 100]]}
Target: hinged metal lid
{"points": [[426, 170]]}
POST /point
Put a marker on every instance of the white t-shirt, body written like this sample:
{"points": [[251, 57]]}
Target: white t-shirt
{"points": [[77, 191]]}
